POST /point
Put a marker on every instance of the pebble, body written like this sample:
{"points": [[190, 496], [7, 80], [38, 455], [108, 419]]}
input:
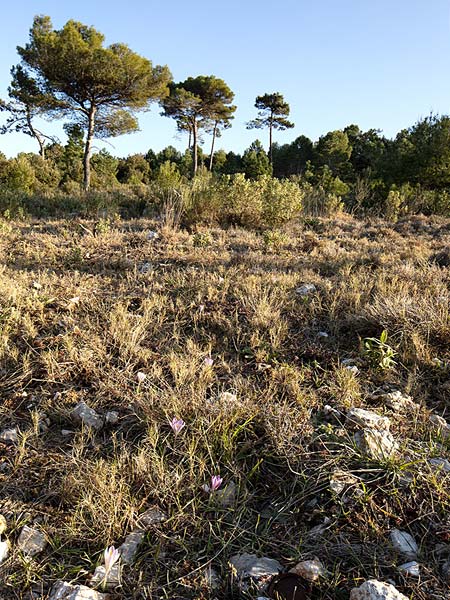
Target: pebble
{"points": [[311, 570], [9, 436], [410, 568], [31, 541], [404, 543], [112, 579], [66, 591], [152, 516], [397, 400], [112, 417], [250, 565], [306, 289], [3, 525], [376, 590], [82, 413], [340, 480], [4, 551]]}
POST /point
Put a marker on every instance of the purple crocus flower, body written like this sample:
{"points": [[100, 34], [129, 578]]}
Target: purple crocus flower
{"points": [[216, 482], [177, 425], [209, 361]]}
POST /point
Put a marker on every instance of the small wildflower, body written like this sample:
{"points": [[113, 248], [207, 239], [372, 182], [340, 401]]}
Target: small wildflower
{"points": [[111, 556], [141, 377], [216, 482], [177, 425], [209, 361]]}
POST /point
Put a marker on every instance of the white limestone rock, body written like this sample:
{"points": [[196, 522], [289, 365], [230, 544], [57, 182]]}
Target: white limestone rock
{"points": [[340, 480], [31, 541], [4, 551], [306, 289], [152, 516], [397, 401], [10, 436], [84, 414], [378, 445], [366, 419], [112, 579], [376, 590], [311, 570], [250, 565], [66, 591]]}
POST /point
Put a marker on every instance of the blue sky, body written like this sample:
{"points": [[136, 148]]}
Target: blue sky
{"points": [[377, 63]]}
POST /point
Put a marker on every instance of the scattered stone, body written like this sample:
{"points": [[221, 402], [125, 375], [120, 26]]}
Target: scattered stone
{"points": [[306, 289], [129, 548], [228, 398], [404, 543], [340, 480], [67, 432], [145, 267], [440, 425], [66, 591], [112, 579], [376, 590], [31, 541], [441, 464], [152, 235], [10, 436], [112, 417], [3, 525], [4, 551], [352, 368], [410, 568], [212, 578], [82, 413], [152, 516], [226, 496], [250, 565], [311, 570], [378, 445], [323, 334], [397, 401], [358, 417], [348, 362]]}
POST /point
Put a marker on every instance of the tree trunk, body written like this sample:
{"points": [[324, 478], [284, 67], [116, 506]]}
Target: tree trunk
{"points": [[37, 135], [211, 156], [87, 149], [194, 144], [270, 141], [189, 140]]}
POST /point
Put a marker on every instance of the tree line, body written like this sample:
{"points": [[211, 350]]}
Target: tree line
{"points": [[99, 92]]}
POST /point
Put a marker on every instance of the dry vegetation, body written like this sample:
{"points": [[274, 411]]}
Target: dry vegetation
{"points": [[80, 316]]}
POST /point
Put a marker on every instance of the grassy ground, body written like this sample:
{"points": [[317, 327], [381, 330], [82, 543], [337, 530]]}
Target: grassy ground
{"points": [[78, 322]]}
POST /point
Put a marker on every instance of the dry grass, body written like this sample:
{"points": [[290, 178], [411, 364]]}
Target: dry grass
{"points": [[79, 319]]}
